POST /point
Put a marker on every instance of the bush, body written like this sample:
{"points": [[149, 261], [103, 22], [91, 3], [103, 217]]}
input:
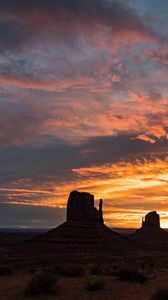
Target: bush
{"points": [[95, 285], [131, 275], [161, 294], [42, 283], [95, 270], [5, 270], [69, 271], [32, 271], [102, 270]]}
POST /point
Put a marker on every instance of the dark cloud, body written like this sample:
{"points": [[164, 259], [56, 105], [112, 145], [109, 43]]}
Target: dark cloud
{"points": [[123, 147], [10, 35], [20, 122], [31, 216], [54, 162], [80, 16]]}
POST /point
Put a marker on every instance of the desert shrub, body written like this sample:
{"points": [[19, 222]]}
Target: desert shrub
{"points": [[32, 271], [131, 275], [161, 294], [102, 270], [69, 271], [5, 270], [95, 270], [95, 285], [41, 283]]}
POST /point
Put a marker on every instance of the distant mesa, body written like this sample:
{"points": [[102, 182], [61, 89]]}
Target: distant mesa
{"points": [[151, 222], [80, 207], [84, 228], [84, 232], [151, 230]]}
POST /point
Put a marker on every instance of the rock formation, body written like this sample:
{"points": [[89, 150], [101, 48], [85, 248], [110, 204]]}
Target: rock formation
{"points": [[151, 233], [151, 222], [84, 228], [80, 207]]}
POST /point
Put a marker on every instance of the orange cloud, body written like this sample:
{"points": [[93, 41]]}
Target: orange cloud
{"points": [[145, 138], [139, 186], [50, 86], [129, 190], [137, 116], [140, 116]]}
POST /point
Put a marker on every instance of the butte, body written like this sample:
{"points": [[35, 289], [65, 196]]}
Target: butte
{"points": [[150, 232], [84, 229]]}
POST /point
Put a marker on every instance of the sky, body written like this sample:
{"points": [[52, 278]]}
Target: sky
{"points": [[83, 106]]}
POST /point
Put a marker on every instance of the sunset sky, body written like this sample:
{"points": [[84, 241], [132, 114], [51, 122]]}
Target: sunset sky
{"points": [[83, 105]]}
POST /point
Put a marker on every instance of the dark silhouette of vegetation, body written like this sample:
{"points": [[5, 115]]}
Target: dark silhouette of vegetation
{"points": [[94, 285], [41, 283], [69, 271], [161, 294], [101, 270], [96, 270], [132, 275], [5, 270]]}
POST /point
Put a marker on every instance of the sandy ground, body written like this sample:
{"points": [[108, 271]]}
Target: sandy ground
{"points": [[11, 288], [153, 263]]}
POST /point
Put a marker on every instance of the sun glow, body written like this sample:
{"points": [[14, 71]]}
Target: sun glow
{"points": [[129, 190]]}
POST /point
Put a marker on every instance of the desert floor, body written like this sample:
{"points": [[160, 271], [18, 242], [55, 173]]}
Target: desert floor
{"points": [[11, 288], [69, 284]]}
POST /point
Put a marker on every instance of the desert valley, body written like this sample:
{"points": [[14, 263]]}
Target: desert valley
{"points": [[84, 259]]}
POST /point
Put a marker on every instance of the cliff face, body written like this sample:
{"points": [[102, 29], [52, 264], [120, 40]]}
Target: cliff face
{"points": [[80, 207], [151, 232], [152, 221]]}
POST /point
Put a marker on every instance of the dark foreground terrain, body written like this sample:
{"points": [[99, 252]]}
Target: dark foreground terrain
{"points": [[78, 273]]}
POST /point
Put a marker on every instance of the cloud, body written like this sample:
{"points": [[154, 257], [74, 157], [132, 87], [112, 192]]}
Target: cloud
{"points": [[126, 169], [130, 175], [20, 124], [102, 80], [160, 55], [127, 187], [145, 138], [13, 216], [83, 104], [65, 118], [71, 81], [11, 35], [94, 19], [50, 86]]}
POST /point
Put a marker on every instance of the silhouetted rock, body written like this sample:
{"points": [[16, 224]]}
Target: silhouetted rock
{"points": [[151, 233], [80, 207], [101, 211], [151, 222], [84, 228]]}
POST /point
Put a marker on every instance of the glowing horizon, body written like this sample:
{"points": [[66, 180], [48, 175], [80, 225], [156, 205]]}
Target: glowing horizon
{"points": [[129, 191]]}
